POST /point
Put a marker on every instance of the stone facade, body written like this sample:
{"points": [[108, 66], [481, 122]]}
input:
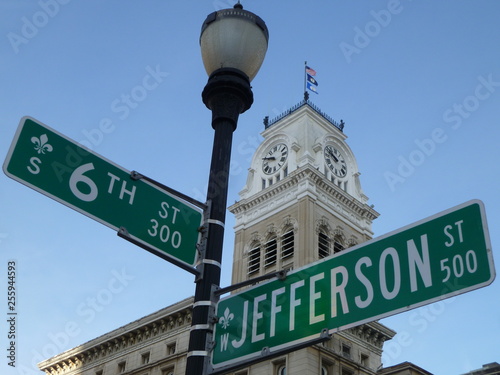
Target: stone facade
{"points": [[155, 344]]}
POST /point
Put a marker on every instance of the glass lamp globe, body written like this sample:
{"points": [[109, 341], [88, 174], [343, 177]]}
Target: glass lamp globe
{"points": [[234, 38]]}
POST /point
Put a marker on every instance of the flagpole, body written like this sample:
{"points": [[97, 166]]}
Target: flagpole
{"points": [[305, 78], [309, 82]]}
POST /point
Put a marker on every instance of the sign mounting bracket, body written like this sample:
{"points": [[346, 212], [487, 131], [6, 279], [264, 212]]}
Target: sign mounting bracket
{"points": [[268, 353], [280, 275]]}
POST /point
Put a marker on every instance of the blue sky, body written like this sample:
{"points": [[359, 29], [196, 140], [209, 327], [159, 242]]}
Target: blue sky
{"points": [[416, 82]]}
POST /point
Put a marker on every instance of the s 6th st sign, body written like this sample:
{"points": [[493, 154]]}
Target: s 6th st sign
{"points": [[439, 257], [60, 168]]}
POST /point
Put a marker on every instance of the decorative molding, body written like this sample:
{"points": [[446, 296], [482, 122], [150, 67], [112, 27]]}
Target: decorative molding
{"points": [[317, 147], [323, 223], [271, 231], [326, 191], [119, 344], [369, 334], [295, 146], [289, 222], [352, 241], [255, 237], [339, 232]]}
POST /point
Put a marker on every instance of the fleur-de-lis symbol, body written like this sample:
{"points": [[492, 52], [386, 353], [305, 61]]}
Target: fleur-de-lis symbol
{"points": [[41, 144], [224, 320]]}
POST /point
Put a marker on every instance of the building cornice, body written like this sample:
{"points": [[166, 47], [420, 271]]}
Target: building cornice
{"points": [[325, 191], [307, 104], [374, 333], [360, 208], [405, 367], [130, 337]]}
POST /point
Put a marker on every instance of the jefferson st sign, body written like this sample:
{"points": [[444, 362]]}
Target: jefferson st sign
{"points": [[58, 167], [439, 257]]}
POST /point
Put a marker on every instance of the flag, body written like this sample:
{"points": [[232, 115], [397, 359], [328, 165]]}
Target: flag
{"points": [[310, 71], [310, 79], [311, 87], [311, 83]]}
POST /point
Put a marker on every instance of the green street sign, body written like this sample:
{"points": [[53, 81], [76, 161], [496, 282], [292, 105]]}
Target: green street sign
{"points": [[52, 164], [433, 259]]}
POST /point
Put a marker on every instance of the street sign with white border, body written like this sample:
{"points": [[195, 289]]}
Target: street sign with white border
{"points": [[439, 257], [60, 168]]}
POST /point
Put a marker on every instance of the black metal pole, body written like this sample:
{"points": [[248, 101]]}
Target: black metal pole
{"points": [[227, 94]]}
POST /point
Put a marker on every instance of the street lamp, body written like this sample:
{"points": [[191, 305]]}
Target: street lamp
{"points": [[233, 46]]}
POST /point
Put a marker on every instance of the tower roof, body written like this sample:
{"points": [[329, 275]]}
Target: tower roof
{"points": [[306, 102]]}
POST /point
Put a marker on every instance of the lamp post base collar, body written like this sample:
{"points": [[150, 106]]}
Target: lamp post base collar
{"points": [[227, 94]]}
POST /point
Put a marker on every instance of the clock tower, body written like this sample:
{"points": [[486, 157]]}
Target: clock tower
{"points": [[302, 200]]}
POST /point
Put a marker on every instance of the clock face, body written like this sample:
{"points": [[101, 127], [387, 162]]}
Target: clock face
{"points": [[275, 158], [335, 161]]}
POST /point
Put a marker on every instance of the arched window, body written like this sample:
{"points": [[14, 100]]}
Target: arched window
{"points": [[338, 244], [282, 370], [287, 243], [323, 244], [254, 259], [271, 251]]}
